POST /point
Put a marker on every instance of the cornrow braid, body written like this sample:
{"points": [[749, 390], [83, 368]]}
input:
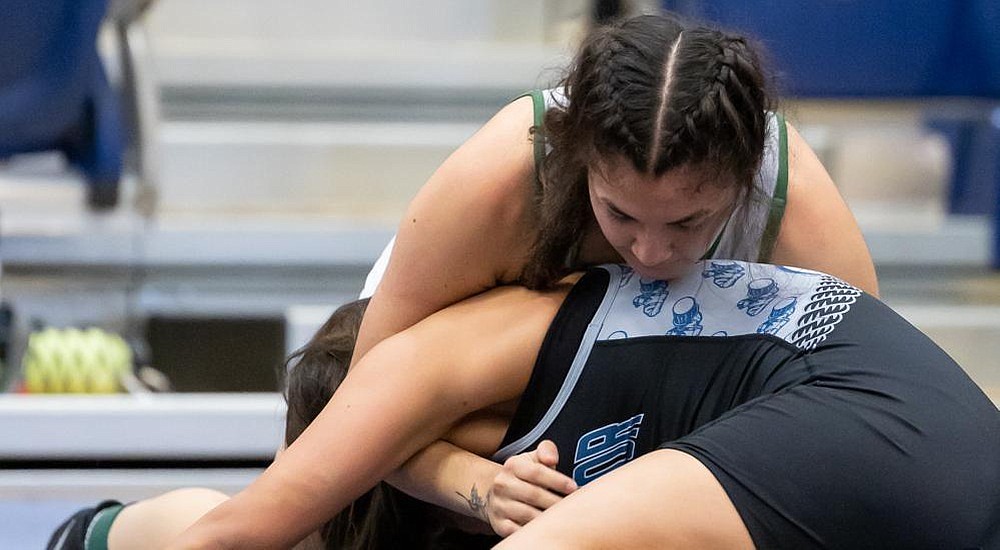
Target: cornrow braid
{"points": [[609, 94], [717, 113], [668, 74], [638, 90]]}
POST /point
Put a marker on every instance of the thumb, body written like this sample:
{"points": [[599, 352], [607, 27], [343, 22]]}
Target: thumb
{"points": [[548, 454]]}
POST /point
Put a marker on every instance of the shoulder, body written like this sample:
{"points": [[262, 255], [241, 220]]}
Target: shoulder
{"points": [[729, 298], [818, 230], [483, 193], [803, 164], [493, 336], [493, 168]]}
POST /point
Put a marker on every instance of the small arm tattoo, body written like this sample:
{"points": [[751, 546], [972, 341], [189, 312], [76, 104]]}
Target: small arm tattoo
{"points": [[476, 502]]}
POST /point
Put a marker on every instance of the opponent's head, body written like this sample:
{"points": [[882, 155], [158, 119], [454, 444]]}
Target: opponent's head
{"points": [[313, 373], [382, 517]]}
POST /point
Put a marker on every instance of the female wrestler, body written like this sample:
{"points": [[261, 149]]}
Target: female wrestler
{"points": [[660, 146], [791, 410], [383, 518]]}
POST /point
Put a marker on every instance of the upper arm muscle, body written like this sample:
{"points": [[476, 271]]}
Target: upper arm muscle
{"points": [[490, 342], [818, 230], [466, 229]]}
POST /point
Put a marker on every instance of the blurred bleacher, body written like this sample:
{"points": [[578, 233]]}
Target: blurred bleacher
{"points": [[291, 139]]}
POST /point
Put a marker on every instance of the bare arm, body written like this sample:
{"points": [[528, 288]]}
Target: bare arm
{"points": [[455, 480], [453, 475], [818, 231], [665, 499], [466, 230], [405, 394], [154, 522]]}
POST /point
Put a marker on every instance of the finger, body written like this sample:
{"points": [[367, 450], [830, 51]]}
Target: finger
{"points": [[557, 482], [505, 527], [543, 476], [548, 454], [527, 493], [518, 512]]}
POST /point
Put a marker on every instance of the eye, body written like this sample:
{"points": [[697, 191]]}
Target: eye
{"points": [[688, 225], [618, 214]]}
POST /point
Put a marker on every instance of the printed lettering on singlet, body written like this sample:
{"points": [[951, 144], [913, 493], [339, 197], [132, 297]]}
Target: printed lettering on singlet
{"points": [[729, 298], [604, 449]]}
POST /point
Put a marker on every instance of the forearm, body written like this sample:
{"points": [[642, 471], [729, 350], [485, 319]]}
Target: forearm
{"points": [[370, 427], [449, 477]]}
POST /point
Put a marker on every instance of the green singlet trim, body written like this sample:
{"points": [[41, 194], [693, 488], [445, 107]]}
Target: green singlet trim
{"points": [[715, 245], [780, 198], [538, 143], [100, 527]]}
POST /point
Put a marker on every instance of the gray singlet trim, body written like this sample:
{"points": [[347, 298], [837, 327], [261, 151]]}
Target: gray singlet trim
{"points": [[575, 370]]}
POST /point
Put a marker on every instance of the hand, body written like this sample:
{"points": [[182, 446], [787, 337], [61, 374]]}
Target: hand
{"points": [[526, 486]]}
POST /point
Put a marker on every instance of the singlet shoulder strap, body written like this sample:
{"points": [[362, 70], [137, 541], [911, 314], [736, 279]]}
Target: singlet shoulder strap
{"points": [[538, 141], [715, 243], [780, 198], [100, 527]]}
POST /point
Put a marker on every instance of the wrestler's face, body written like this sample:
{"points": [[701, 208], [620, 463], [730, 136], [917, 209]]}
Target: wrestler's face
{"points": [[660, 225]]}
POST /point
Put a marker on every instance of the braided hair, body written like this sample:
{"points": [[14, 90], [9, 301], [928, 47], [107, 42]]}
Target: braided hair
{"points": [[660, 94]]}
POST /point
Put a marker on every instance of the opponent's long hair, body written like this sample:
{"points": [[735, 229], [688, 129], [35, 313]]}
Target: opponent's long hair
{"points": [[383, 518]]}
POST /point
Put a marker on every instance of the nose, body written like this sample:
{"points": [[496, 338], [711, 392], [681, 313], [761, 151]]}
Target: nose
{"points": [[650, 250]]}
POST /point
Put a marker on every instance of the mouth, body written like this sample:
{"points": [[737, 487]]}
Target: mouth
{"points": [[662, 273], [670, 270]]}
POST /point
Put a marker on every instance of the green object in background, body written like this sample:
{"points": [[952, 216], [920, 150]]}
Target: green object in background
{"points": [[75, 361]]}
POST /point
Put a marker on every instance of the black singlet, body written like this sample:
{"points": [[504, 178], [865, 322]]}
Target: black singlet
{"points": [[830, 421]]}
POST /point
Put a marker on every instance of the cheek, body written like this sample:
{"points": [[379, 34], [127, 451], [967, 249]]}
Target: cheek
{"points": [[616, 235], [684, 245], [698, 242], [613, 232], [692, 248]]}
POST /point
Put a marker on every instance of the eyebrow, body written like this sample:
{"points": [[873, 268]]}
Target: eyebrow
{"points": [[690, 218], [613, 206], [686, 219]]}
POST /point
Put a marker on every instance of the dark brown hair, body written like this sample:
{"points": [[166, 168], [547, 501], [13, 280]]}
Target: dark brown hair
{"points": [[383, 518], [660, 94]]}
